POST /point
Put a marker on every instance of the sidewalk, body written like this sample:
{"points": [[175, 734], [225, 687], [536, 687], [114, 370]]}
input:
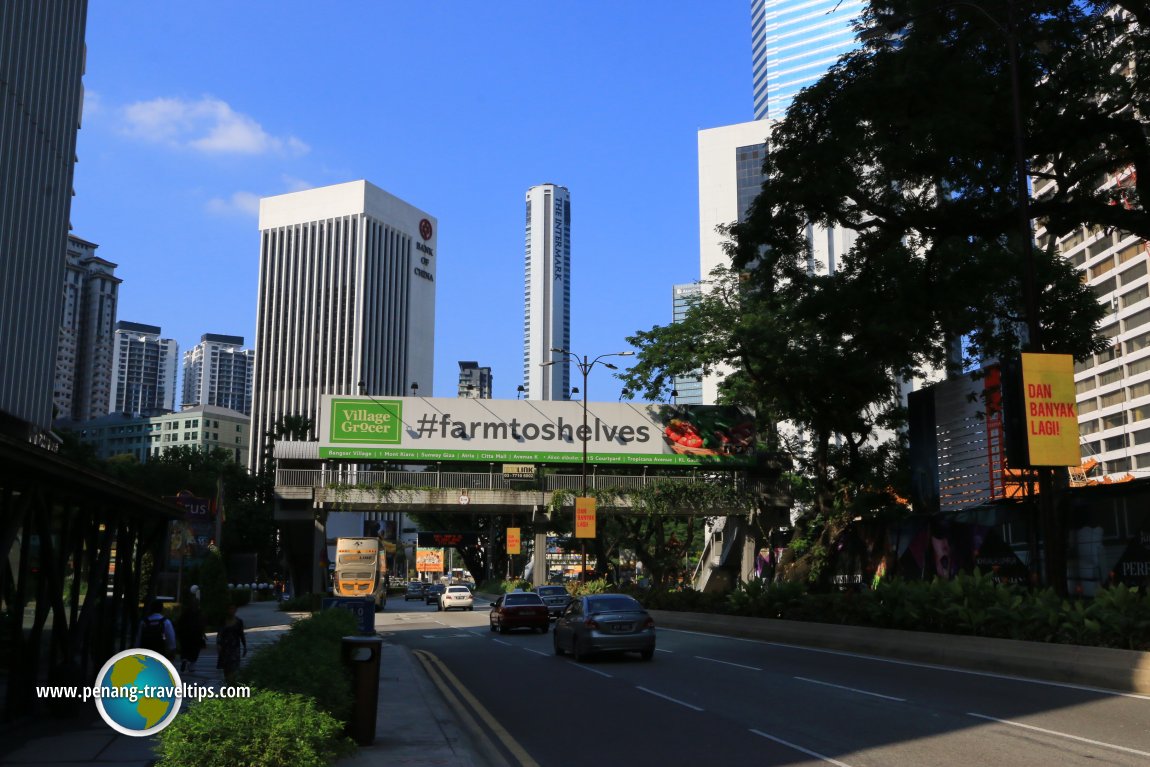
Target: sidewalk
{"points": [[413, 726]]}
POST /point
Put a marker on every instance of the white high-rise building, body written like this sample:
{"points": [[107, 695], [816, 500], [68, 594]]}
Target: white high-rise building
{"points": [[218, 371], [547, 293], [85, 348], [793, 43], [143, 370], [688, 388], [346, 301]]}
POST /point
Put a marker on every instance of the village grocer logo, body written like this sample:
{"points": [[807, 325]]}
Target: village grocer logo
{"points": [[355, 421]]}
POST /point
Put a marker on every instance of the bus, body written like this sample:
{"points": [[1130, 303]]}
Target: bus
{"points": [[360, 569]]}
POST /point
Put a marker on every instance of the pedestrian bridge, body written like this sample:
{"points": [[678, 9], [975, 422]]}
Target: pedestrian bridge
{"points": [[344, 488]]}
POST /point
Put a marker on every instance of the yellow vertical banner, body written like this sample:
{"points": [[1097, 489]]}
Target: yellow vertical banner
{"points": [[1051, 411], [513, 540], [584, 517]]}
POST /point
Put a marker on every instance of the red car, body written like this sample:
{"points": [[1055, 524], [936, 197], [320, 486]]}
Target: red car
{"points": [[519, 610]]}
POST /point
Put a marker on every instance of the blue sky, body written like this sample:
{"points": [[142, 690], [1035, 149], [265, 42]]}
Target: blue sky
{"points": [[194, 111]]}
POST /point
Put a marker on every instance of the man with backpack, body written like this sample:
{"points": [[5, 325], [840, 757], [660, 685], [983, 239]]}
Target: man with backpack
{"points": [[156, 632]]}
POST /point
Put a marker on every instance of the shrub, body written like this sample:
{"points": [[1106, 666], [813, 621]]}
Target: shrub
{"points": [[304, 603], [307, 661], [269, 729]]}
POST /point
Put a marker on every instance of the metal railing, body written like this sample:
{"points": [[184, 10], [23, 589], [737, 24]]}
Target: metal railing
{"points": [[444, 480]]}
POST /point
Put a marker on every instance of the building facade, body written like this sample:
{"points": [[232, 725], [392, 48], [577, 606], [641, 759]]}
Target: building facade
{"points": [[41, 95], [474, 381], [218, 371], [144, 369], [1113, 386], [688, 388], [547, 293], [84, 353], [143, 437], [346, 302], [793, 43]]}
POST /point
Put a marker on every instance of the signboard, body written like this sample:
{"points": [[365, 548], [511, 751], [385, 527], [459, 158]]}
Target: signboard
{"points": [[519, 470], [1050, 409], [363, 608], [513, 541], [429, 560], [522, 431], [444, 540], [189, 538], [584, 517]]}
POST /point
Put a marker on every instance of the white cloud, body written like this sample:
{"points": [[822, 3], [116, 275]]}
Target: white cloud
{"points": [[240, 203], [207, 125]]}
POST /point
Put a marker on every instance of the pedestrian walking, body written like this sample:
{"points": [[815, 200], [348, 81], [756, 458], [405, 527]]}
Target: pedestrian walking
{"points": [[190, 633], [156, 632], [230, 640]]}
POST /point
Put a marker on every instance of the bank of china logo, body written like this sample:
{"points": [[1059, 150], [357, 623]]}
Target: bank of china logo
{"points": [[138, 694]]}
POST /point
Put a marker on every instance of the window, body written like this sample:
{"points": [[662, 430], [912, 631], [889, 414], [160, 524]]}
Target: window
{"points": [[1116, 397]]}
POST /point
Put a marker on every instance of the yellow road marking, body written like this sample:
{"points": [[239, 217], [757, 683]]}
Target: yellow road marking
{"points": [[442, 677]]}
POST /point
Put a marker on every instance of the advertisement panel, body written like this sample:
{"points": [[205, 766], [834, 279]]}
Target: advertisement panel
{"points": [[584, 517], [513, 541], [1051, 414], [429, 560], [526, 431]]}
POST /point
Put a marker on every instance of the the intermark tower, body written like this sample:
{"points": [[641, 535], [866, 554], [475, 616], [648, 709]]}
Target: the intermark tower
{"points": [[346, 302], [547, 292]]}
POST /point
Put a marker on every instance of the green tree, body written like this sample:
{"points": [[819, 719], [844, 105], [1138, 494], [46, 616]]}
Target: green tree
{"points": [[907, 142]]}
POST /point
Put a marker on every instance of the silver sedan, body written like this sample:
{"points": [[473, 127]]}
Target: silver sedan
{"points": [[600, 623]]}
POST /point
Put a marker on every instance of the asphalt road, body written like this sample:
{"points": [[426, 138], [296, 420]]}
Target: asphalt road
{"points": [[708, 700]]}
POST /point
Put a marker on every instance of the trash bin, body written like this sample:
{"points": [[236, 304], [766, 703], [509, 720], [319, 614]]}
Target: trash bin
{"points": [[361, 655]]}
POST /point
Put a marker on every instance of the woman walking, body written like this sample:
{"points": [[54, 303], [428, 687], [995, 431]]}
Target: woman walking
{"points": [[230, 639], [190, 633]]}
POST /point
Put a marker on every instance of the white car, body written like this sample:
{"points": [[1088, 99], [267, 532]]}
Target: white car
{"points": [[456, 597]]}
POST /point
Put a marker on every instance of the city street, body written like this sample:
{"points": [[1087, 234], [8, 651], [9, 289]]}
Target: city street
{"points": [[705, 697]]}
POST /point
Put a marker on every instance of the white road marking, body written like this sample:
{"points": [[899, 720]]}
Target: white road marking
{"points": [[500, 641], [728, 663], [538, 652], [593, 670], [808, 752], [1061, 734], [915, 664], [850, 689], [668, 697], [660, 649]]}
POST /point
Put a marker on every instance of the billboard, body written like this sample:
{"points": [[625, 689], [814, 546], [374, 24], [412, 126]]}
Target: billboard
{"points": [[1051, 413], [528, 431], [429, 560]]}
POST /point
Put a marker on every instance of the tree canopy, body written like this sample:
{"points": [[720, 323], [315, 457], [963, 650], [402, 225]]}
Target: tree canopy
{"points": [[908, 143]]}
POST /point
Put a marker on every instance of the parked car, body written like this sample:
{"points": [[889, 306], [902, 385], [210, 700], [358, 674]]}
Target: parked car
{"points": [[555, 597], [432, 592], [523, 609], [414, 591], [599, 623], [456, 597]]}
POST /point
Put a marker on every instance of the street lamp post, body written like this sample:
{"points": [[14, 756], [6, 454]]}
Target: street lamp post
{"points": [[585, 365]]}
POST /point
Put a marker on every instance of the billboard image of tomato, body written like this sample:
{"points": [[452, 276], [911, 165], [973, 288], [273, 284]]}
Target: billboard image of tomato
{"points": [[710, 431]]}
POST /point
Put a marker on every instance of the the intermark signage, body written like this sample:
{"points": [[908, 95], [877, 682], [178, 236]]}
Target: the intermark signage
{"points": [[1051, 414], [529, 432]]}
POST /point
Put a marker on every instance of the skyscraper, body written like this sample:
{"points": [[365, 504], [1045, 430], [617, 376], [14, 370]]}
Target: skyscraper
{"points": [[143, 370], [218, 372], [793, 43], [85, 347], [41, 66], [346, 301], [547, 292], [474, 381], [688, 388]]}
